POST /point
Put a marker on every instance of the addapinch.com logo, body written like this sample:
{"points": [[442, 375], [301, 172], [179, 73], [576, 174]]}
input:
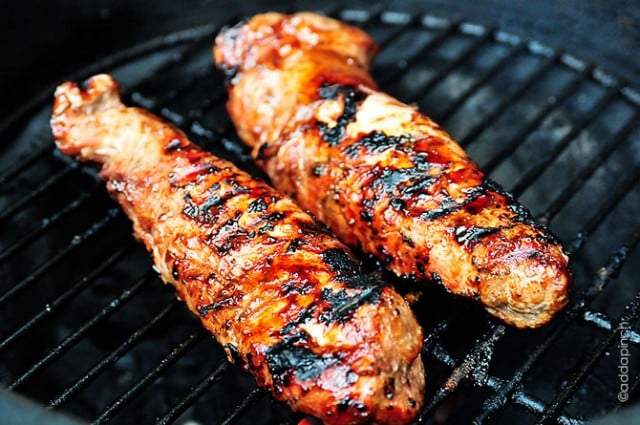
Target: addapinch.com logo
{"points": [[625, 359]]}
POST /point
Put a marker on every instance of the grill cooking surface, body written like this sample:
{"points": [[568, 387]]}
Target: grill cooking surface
{"points": [[88, 328]]}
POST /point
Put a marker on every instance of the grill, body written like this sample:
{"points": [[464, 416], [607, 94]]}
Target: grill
{"points": [[88, 328]]}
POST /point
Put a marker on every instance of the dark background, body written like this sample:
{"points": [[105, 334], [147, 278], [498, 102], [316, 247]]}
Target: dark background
{"points": [[43, 42]]}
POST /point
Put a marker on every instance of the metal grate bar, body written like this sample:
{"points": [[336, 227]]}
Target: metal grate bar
{"points": [[377, 19], [19, 205], [434, 42], [23, 163], [211, 101], [178, 119], [66, 296], [73, 338], [471, 365], [508, 100], [89, 375], [525, 399], [46, 223], [75, 243], [520, 398], [175, 354], [193, 394], [614, 265], [532, 404], [602, 322], [177, 60], [561, 145], [155, 103], [208, 103], [434, 336], [602, 278], [540, 116], [459, 60], [606, 207], [490, 73], [162, 42], [245, 404], [571, 385], [580, 179]]}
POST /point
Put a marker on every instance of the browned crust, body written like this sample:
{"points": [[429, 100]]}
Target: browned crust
{"points": [[383, 176], [285, 298]]}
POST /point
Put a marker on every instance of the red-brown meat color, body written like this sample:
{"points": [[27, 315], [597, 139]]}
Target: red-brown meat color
{"points": [[383, 176], [285, 298]]}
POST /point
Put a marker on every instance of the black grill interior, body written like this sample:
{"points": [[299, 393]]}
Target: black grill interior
{"points": [[88, 328]]}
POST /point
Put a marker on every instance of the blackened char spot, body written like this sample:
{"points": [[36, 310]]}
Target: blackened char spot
{"points": [[228, 235], [216, 305], [274, 217], [259, 205], [346, 269], [206, 212], [294, 245], [292, 357], [351, 97], [399, 204], [213, 199], [523, 215], [449, 205], [271, 220], [469, 235], [304, 315], [347, 403], [366, 212], [375, 142], [190, 209], [406, 239], [262, 151], [435, 277], [341, 305], [311, 227], [405, 182], [390, 388]]}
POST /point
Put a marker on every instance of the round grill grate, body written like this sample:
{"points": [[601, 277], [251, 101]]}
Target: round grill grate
{"points": [[89, 329]]}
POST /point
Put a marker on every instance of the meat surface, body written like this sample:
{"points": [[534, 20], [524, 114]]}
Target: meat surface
{"points": [[284, 297], [383, 176]]}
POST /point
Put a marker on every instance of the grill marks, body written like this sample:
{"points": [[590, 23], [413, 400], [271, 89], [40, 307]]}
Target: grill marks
{"points": [[385, 177], [426, 173], [351, 99], [375, 142], [293, 358], [214, 205], [419, 178], [282, 296], [333, 307]]}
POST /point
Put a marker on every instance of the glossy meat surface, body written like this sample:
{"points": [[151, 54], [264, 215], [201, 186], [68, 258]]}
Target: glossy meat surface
{"points": [[383, 176], [284, 297]]}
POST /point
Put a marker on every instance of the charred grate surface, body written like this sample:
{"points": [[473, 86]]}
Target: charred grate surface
{"points": [[86, 328]]}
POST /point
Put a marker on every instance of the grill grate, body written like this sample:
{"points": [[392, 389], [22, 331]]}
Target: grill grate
{"points": [[499, 95]]}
